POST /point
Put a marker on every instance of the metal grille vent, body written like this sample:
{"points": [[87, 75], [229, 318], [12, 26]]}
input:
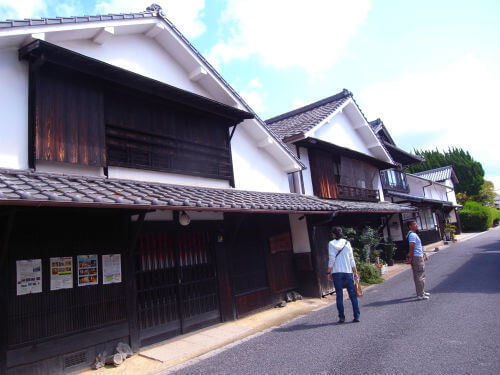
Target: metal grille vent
{"points": [[75, 359]]}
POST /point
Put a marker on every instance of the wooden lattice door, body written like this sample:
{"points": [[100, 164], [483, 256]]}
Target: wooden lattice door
{"points": [[176, 284]]}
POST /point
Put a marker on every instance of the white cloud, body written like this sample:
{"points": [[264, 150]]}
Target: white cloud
{"points": [[459, 103], [185, 15], [289, 33], [22, 9], [254, 99], [297, 103], [255, 83]]}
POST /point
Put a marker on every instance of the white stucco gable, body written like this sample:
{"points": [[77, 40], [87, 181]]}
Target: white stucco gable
{"points": [[348, 128]]}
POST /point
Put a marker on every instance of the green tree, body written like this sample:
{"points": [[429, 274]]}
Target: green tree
{"points": [[486, 195], [470, 173]]}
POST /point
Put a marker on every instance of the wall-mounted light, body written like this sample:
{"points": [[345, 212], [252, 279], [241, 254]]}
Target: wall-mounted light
{"points": [[184, 218]]}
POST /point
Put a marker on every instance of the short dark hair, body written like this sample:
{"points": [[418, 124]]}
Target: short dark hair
{"points": [[337, 231], [409, 223]]}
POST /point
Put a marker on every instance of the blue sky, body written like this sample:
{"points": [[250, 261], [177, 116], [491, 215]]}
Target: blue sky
{"points": [[428, 69]]}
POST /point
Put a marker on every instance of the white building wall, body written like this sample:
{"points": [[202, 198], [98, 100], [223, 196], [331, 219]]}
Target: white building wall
{"points": [[139, 54], [306, 173], [254, 169], [300, 235], [13, 110], [416, 185], [340, 131], [451, 193], [395, 229]]}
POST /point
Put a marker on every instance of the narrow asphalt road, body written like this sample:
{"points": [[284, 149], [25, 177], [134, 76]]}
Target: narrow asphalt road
{"points": [[457, 331]]}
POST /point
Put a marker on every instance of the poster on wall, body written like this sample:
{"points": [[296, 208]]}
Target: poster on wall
{"points": [[61, 273], [29, 276], [87, 270], [111, 269]]}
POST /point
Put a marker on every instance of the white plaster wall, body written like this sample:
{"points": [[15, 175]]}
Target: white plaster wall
{"points": [[306, 173], [13, 111], [162, 177], [395, 229], [300, 235], [68, 169], [451, 194], [437, 192], [416, 185], [139, 54], [339, 131], [254, 169]]}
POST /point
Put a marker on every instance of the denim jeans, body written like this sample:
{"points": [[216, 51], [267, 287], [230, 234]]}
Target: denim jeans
{"points": [[345, 280]]}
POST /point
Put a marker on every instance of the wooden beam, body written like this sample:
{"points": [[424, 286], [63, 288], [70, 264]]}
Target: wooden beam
{"points": [[198, 74], [131, 286], [104, 35], [4, 291]]}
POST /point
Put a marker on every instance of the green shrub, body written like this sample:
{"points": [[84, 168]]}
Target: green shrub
{"points": [[473, 221], [369, 274], [476, 217]]}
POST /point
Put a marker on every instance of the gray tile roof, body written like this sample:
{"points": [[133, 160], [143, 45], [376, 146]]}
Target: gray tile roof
{"points": [[47, 189], [44, 189], [417, 198], [438, 174], [375, 207], [81, 19], [152, 11], [303, 119]]}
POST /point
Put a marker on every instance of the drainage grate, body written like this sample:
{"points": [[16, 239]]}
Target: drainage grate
{"points": [[75, 359]]}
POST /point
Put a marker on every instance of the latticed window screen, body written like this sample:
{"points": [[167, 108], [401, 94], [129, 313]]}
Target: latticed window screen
{"points": [[357, 173]]}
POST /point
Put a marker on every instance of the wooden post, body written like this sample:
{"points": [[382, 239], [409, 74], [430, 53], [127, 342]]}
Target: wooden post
{"points": [[131, 286], [4, 292]]}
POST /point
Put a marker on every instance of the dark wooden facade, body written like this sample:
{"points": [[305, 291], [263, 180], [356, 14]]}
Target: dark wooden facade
{"points": [[326, 177], [60, 330], [83, 111]]}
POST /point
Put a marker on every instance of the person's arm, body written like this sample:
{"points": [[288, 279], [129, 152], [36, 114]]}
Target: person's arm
{"points": [[411, 250], [352, 261], [331, 258]]}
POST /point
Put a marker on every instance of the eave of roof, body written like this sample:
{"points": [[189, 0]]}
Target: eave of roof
{"points": [[401, 156], [416, 198], [30, 188], [345, 206], [327, 146]]}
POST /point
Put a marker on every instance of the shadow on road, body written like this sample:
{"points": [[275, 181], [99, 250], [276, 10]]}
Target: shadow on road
{"points": [[301, 327], [392, 301], [479, 275]]}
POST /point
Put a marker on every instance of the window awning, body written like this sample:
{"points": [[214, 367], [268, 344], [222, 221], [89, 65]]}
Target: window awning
{"points": [[40, 52]]}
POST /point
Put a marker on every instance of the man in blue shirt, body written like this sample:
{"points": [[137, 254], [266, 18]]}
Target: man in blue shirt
{"points": [[416, 258]]}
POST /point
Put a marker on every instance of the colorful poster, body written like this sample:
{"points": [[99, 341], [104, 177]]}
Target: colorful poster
{"points": [[111, 269], [87, 270], [61, 273], [29, 276]]}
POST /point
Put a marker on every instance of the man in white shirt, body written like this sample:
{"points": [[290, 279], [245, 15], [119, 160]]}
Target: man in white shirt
{"points": [[342, 269]]}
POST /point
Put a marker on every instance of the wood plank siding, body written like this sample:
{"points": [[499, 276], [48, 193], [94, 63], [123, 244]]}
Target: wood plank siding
{"points": [[84, 112], [69, 118], [324, 173]]}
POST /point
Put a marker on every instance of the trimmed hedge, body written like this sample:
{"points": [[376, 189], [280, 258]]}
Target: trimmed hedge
{"points": [[476, 217]]}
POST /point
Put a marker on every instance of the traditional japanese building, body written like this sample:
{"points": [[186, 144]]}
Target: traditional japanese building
{"points": [[344, 158], [140, 196]]}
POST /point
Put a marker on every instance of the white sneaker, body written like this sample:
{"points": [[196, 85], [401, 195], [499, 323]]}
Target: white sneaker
{"points": [[422, 297], [427, 294]]}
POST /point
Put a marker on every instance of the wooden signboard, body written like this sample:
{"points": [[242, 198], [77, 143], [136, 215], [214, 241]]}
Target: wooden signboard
{"points": [[280, 242]]}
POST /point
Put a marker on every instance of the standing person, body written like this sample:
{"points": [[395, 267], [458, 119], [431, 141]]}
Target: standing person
{"points": [[342, 268], [416, 258]]}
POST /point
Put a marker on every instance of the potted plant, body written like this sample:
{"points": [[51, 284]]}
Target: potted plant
{"points": [[449, 232], [389, 250]]}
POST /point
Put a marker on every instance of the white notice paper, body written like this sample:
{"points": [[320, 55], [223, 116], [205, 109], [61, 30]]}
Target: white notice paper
{"points": [[29, 276], [61, 273], [111, 269]]}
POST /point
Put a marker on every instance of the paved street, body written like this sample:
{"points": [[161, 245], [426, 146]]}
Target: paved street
{"points": [[456, 332]]}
